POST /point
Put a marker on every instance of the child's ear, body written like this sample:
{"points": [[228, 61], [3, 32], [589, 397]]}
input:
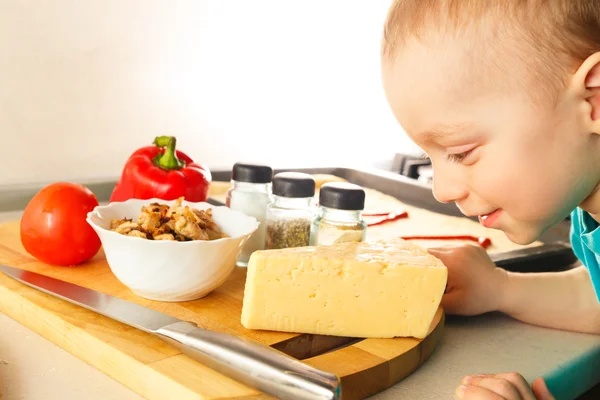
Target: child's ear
{"points": [[586, 83]]}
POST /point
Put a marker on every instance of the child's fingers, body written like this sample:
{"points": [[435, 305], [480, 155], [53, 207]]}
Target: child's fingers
{"points": [[541, 390], [520, 383], [441, 252], [476, 393], [509, 385], [500, 386], [451, 301]]}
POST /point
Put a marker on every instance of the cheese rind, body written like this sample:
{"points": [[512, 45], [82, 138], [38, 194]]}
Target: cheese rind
{"points": [[388, 288]]}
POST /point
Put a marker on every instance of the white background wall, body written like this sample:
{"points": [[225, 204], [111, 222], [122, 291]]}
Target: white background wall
{"points": [[85, 83]]}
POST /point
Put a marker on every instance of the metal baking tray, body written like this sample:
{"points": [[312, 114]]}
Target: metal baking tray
{"points": [[554, 255]]}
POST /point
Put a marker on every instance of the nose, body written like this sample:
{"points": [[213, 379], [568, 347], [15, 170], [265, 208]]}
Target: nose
{"points": [[446, 188]]}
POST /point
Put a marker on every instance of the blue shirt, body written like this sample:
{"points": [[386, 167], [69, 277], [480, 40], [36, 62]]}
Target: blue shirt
{"points": [[585, 240]]}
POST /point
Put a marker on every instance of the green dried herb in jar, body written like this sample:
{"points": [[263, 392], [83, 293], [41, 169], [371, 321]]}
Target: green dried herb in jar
{"points": [[284, 233], [290, 213]]}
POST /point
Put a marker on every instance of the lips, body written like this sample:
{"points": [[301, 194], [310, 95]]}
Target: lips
{"points": [[488, 220]]}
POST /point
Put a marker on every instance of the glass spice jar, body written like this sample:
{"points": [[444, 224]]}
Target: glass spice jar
{"points": [[250, 193], [290, 213], [339, 218]]}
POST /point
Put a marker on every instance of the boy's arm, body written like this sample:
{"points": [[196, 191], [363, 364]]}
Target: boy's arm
{"points": [[562, 300]]}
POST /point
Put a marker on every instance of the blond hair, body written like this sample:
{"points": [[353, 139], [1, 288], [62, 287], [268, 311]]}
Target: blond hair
{"points": [[561, 34]]}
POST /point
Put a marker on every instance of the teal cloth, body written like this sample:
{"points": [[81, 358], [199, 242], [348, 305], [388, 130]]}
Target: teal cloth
{"points": [[585, 240], [570, 380]]}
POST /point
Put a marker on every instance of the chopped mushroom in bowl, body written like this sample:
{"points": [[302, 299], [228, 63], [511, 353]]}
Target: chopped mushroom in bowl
{"points": [[171, 250], [177, 222]]}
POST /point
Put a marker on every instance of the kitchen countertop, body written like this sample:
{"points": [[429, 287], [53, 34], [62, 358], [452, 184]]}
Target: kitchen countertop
{"points": [[32, 367]]}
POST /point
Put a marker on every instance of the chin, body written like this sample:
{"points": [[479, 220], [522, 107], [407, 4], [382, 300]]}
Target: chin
{"points": [[522, 236]]}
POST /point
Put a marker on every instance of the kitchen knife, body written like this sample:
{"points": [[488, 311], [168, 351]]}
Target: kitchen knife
{"points": [[252, 363]]}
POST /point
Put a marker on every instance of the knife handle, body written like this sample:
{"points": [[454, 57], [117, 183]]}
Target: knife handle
{"points": [[254, 364]]}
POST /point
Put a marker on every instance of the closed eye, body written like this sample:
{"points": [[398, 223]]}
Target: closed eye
{"points": [[459, 157]]}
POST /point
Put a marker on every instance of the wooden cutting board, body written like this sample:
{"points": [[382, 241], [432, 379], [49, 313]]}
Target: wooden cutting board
{"points": [[157, 370]]}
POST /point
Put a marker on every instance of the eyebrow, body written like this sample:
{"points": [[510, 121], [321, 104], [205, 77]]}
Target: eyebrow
{"points": [[435, 133]]}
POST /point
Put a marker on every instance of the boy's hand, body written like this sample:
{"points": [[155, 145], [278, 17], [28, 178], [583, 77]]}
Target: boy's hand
{"points": [[510, 386], [475, 284]]}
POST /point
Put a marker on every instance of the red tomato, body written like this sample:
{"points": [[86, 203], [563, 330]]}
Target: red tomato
{"points": [[53, 226]]}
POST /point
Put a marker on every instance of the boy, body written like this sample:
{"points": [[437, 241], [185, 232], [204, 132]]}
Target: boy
{"points": [[504, 97]]}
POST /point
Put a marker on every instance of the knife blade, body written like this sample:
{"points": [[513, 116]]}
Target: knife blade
{"points": [[252, 363]]}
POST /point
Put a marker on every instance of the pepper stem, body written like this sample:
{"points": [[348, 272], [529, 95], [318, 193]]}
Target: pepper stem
{"points": [[168, 160]]}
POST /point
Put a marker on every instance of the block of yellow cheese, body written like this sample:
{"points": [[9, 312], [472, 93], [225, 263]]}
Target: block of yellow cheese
{"points": [[382, 289]]}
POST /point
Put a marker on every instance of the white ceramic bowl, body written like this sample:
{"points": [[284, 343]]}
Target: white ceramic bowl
{"points": [[169, 270]]}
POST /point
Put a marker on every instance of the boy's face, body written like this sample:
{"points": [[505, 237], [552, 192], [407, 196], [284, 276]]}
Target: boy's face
{"points": [[519, 166]]}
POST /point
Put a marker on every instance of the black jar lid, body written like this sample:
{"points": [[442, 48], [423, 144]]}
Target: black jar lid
{"points": [[342, 196], [252, 173], [293, 184]]}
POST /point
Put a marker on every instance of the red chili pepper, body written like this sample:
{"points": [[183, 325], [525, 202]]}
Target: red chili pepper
{"points": [[483, 241], [161, 171], [378, 214], [388, 217]]}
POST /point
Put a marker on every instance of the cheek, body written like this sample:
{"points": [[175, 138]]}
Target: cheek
{"points": [[527, 188], [557, 179]]}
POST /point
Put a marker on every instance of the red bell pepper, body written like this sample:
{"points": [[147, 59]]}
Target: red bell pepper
{"points": [[165, 173]]}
